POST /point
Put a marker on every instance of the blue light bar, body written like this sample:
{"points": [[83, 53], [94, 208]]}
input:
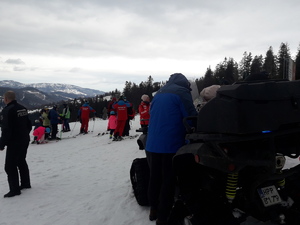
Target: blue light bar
{"points": [[266, 131]]}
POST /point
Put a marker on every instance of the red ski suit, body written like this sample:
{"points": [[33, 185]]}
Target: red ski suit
{"points": [[121, 109], [144, 109], [84, 113]]}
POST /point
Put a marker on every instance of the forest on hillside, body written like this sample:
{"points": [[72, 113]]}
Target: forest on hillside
{"points": [[277, 66]]}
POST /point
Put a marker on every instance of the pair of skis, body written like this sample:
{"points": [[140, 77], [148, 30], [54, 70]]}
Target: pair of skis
{"points": [[123, 138]]}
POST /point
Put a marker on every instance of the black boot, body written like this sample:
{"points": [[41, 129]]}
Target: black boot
{"points": [[12, 194]]}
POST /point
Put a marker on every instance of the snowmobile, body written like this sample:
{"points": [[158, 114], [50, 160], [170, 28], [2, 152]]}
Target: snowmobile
{"points": [[233, 166]]}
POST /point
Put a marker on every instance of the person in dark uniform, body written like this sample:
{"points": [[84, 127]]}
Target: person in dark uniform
{"points": [[16, 127], [54, 121]]}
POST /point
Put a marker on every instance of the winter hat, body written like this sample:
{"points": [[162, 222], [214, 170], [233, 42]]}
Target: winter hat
{"points": [[47, 130], [121, 97], [209, 92], [112, 113], [145, 97]]}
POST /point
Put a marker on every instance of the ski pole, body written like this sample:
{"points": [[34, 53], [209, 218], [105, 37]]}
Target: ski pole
{"points": [[73, 128], [61, 130], [93, 124]]}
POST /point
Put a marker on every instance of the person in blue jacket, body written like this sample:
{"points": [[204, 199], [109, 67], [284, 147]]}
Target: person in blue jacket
{"points": [[166, 134], [54, 121]]}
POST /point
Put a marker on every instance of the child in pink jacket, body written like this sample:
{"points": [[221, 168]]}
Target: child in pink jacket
{"points": [[112, 123], [39, 134]]}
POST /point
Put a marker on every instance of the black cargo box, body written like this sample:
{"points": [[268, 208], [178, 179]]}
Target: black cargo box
{"points": [[246, 108]]}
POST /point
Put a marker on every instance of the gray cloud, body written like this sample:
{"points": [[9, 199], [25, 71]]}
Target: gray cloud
{"points": [[14, 61], [18, 68], [154, 31]]}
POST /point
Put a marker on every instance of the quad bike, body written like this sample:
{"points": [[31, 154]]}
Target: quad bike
{"points": [[234, 163], [140, 173]]}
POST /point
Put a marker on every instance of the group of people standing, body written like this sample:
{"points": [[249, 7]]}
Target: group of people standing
{"points": [[120, 113], [46, 128], [166, 134]]}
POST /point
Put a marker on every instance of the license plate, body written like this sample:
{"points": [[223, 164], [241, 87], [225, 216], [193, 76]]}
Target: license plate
{"points": [[269, 195]]}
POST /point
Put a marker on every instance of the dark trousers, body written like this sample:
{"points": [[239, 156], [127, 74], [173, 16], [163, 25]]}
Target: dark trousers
{"points": [[15, 163], [126, 128], [66, 125], [161, 184], [53, 131], [111, 132], [47, 134]]}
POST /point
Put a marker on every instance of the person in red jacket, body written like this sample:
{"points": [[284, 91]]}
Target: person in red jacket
{"points": [[84, 115], [144, 109], [130, 116], [121, 108]]}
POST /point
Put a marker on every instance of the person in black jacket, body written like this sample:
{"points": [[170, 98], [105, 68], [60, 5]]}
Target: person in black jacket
{"points": [[16, 127]]}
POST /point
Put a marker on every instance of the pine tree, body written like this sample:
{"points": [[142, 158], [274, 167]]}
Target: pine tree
{"points": [[297, 75], [231, 72], [283, 58], [220, 71], [226, 72], [256, 65], [270, 63], [245, 65], [208, 78]]}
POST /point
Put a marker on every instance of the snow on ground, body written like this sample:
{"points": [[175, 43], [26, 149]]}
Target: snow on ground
{"points": [[78, 181]]}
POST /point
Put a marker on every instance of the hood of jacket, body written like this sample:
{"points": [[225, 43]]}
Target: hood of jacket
{"points": [[180, 80]]}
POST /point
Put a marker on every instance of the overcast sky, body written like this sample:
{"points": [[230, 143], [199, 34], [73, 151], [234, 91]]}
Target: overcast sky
{"points": [[101, 44]]}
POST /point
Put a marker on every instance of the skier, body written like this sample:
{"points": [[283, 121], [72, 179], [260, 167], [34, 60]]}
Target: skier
{"points": [[84, 115], [46, 121], [39, 134], [121, 108], [104, 113], [54, 120], [66, 114], [144, 109], [130, 116], [112, 123]]}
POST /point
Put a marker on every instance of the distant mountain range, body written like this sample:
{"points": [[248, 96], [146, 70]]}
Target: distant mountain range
{"points": [[37, 94]]}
